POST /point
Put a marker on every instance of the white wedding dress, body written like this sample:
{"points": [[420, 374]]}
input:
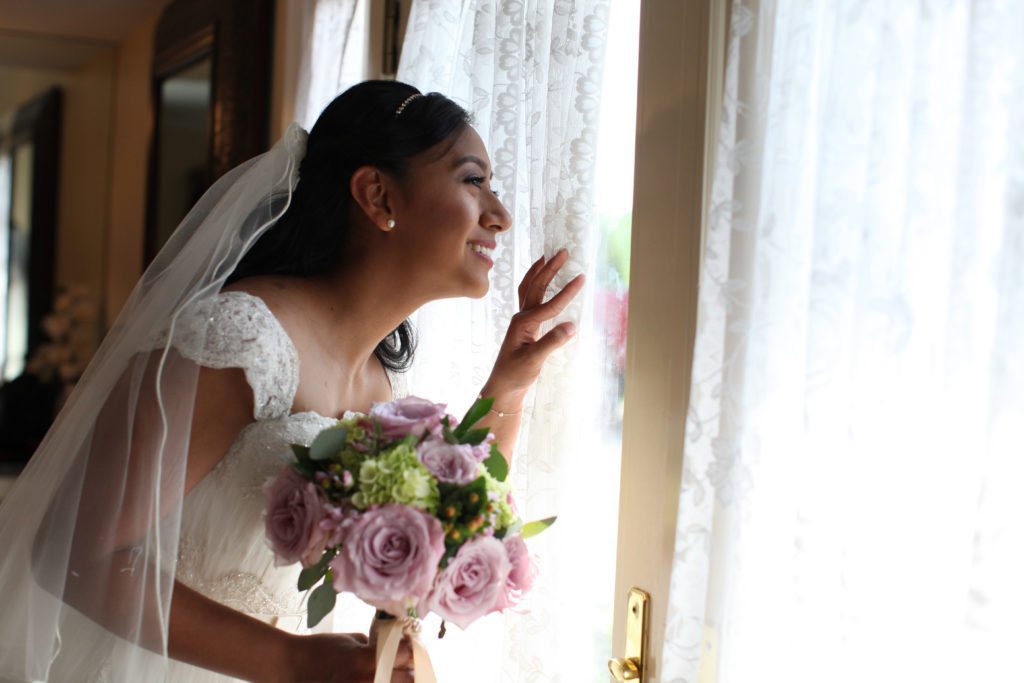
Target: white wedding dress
{"points": [[222, 553]]}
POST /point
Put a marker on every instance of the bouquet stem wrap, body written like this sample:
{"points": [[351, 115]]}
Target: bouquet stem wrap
{"points": [[389, 636]]}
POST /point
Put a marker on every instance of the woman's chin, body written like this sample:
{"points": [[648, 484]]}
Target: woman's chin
{"points": [[477, 288], [481, 290]]}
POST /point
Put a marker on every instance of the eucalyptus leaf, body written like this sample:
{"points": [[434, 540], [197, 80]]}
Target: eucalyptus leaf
{"points": [[475, 436], [327, 443], [448, 435], [306, 469], [301, 452], [534, 528], [309, 576], [496, 464], [321, 602], [473, 415]]}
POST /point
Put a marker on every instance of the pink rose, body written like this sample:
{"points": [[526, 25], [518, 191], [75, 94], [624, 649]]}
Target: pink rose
{"points": [[473, 583], [482, 451], [405, 416], [335, 523], [389, 557], [521, 573], [295, 507], [453, 463]]}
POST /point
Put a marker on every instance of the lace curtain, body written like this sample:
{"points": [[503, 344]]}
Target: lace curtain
{"points": [[850, 505], [333, 37], [530, 73]]}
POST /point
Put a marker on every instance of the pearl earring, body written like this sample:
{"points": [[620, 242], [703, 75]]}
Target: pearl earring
{"points": [[391, 224]]}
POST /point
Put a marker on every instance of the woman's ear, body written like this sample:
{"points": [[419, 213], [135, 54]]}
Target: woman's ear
{"points": [[371, 191]]}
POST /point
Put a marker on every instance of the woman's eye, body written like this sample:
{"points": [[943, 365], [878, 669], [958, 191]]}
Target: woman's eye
{"points": [[479, 181]]}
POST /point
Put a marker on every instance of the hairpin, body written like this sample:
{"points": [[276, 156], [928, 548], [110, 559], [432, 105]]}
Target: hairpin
{"points": [[404, 104]]}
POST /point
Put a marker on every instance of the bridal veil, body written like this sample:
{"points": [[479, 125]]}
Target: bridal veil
{"points": [[91, 526]]}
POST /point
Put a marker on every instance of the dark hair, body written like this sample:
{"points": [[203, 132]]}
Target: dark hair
{"points": [[359, 128]]}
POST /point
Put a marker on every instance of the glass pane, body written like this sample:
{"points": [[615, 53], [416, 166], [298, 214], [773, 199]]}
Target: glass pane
{"points": [[613, 199], [183, 148], [18, 284]]}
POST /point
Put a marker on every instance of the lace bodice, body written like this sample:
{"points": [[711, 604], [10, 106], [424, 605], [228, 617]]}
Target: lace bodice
{"points": [[222, 552], [237, 330]]}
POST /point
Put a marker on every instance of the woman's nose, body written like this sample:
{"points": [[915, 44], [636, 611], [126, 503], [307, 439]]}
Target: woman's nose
{"points": [[498, 217]]}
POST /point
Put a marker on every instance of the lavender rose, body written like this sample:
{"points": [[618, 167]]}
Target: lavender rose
{"points": [[455, 463], [389, 557], [294, 510], [521, 573], [473, 583], [482, 451], [410, 415]]}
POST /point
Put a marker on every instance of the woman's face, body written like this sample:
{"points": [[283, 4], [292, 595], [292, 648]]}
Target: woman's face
{"points": [[448, 217]]}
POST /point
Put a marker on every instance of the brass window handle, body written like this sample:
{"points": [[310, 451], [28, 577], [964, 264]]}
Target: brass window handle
{"points": [[633, 667], [625, 669]]}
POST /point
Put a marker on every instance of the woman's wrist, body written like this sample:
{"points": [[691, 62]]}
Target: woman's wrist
{"points": [[507, 401], [289, 654]]}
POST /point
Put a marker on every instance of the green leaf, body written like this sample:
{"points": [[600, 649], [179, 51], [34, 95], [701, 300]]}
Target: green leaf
{"points": [[306, 469], [321, 602], [327, 443], [449, 437], [473, 415], [496, 464], [309, 576], [534, 528], [514, 527], [475, 436], [301, 452]]}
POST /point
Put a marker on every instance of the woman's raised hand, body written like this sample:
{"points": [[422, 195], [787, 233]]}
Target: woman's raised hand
{"points": [[524, 351], [345, 658]]}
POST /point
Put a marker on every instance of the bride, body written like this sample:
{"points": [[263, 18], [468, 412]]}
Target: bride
{"points": [[131, 548]]}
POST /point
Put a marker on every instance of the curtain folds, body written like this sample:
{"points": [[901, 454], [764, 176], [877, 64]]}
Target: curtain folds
{"points": [[332, 59], [848, 508], [530, 73]]}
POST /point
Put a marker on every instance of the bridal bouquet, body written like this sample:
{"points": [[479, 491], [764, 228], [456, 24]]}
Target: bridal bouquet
{"points": [[407, 508]]}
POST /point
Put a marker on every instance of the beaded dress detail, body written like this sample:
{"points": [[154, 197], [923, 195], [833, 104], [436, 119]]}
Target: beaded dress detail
{"points": [[222, 552]]}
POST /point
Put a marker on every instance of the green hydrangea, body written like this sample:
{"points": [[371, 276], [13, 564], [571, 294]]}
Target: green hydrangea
{"points": [[498, 494], [396, 477], [354, 451]]}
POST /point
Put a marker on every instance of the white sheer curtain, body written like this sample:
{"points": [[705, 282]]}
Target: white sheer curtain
{"points": [[850, 507], [333, 53], [530, 73]]}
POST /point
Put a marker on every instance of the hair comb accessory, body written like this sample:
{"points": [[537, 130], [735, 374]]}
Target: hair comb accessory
{"points": [[405, 103]]}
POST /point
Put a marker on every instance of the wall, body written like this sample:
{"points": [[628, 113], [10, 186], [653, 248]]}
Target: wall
{"points": [[129, 168], [21, 84], [84, 175], [85, 159]]}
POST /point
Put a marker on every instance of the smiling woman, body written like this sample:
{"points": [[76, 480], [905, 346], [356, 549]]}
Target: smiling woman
{"points": [[277, 305]]}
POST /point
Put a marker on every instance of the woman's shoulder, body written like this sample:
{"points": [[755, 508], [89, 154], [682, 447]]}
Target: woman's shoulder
{"points": [[245, 326], [283, 297]]}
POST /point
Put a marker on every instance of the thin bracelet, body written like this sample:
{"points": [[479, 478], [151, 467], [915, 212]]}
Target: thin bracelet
{"points": [[499, 413]]}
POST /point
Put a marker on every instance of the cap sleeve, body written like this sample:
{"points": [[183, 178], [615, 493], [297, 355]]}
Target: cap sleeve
{"points": [[399, 384], [237, 330]]}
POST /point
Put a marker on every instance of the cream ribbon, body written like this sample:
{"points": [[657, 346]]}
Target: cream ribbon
{"points": [[389, 636]]}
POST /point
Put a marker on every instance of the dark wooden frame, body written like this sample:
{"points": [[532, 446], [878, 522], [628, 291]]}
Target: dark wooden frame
{"points": [[39, 122], [27, 403], [390, 45], [238, 35]]}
